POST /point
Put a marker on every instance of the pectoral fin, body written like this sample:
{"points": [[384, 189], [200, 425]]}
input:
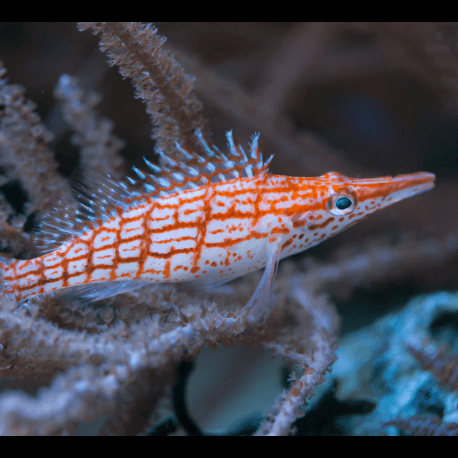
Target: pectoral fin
{"points": [[258, 305]]}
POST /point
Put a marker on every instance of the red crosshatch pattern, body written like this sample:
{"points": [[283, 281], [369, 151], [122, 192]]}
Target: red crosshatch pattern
{"points": [[215, 230]]}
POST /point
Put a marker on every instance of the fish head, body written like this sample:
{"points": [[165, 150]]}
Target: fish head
{"points": [[341, 201], [353, 199]]}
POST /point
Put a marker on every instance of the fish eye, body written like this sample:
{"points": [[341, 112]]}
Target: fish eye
{"points": [[341, 204]]}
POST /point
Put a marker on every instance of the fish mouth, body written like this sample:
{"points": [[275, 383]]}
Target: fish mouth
{"points": [[415, 182], [396, 188]]}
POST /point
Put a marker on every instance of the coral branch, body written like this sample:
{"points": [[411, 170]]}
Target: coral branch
{"points": [[442, 365], [158, 79], [425, 426], [24, 144], [99, 146]]}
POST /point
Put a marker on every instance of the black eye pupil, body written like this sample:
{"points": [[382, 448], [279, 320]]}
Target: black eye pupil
{"points": [[342, 203]]}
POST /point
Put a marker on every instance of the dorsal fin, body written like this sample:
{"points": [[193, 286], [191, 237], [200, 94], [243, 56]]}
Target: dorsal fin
{"points": [[95, 199], [198, 170]]}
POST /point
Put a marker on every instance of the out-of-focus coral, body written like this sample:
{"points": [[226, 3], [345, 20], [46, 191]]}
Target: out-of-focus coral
{"points": [[384, 365], [365, 99]]}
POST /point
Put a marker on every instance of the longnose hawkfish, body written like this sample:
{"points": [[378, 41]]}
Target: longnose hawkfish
{"points": [[209, 217]]}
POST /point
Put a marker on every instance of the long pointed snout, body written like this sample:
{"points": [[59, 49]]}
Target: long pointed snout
{"points": [[394, 189], [421, 181]]}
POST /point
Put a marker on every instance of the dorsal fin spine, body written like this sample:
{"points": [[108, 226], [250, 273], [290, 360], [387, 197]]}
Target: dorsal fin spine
{"points": [[199, 158], [236, 150], [171, 161], [203, 142], [185, 153], [254, 147], [230, 141], [164, 182], [188, 169], [152, 166], [266, 164], [61, 221], [149, 187], [245, 159], [165, 170], [178, 176], [210, 167], [166, 158], [225, 159], [139, 173], [89, 209], [68, 231]]}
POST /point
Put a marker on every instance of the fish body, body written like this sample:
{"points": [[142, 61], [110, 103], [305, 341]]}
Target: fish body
{"points": [[210, 219]]}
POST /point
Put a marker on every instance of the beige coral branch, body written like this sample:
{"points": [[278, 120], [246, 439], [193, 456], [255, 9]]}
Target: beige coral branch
{"points": [[24, 145], [99, 146], [158, 79]]}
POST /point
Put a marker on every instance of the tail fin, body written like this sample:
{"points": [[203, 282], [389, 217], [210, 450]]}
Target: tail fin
{"points": [[5, 261]]}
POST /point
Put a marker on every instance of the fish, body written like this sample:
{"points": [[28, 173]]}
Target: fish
{"points": [[207, 218]]}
